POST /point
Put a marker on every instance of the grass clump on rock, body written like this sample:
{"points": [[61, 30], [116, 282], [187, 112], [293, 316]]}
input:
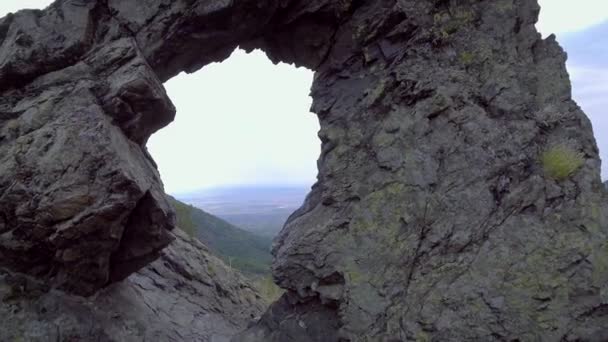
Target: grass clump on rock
{"points": [[560, 162]]}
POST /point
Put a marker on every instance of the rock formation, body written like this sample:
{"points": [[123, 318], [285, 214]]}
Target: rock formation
{"points": [[458, 196], [186, 295]]}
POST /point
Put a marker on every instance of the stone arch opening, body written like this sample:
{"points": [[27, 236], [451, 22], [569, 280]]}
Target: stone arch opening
{"points": [[102, 65], [243, 147], [242, 122], [434, 119]]}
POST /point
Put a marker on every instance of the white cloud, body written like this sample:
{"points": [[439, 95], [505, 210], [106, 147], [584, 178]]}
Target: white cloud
{"points": [[560, 16], [590, 90], [589, 81]]}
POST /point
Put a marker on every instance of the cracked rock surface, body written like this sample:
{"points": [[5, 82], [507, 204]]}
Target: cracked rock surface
{"points": [[185, 295], [436, 216]]}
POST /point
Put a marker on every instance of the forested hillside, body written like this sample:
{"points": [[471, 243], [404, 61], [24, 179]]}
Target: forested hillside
{"points": [[243, 250]]}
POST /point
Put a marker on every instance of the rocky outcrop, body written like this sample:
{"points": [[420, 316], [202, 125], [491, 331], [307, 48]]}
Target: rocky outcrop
{"points": [[438, 214], [186, 295], [81, 201], [458, 196]]}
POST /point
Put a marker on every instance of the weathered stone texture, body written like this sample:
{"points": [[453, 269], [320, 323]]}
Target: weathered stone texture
{"points": [[186, 295], [433, 217]]}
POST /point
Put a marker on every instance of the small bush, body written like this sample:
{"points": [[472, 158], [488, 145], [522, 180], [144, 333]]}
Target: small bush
{"points": [[560, 162]]}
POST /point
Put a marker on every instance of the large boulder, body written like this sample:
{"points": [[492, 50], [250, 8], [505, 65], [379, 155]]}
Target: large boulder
{"points": [[458, 197], [81, 201]]}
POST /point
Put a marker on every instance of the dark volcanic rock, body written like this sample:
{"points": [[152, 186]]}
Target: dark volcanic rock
{"points": [[458, 197], [186, 295]]}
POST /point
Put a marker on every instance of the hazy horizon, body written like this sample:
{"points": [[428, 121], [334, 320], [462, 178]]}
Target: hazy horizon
{"points": [[242, 186]]}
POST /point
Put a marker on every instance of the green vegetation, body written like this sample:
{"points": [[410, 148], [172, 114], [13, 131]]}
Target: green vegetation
{"points": [[560, 162], [240, 249], [466, 58], [268, 289], [184, 217], [448, 23], [422, 336]]}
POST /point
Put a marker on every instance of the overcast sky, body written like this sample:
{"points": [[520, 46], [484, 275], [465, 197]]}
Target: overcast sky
{"points": [[246, 121]]}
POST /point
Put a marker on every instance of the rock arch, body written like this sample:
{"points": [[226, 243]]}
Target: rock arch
{"points": [[433, 217]]}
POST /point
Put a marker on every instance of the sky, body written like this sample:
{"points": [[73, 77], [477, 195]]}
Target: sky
{"points": [[247, 121], [242, 121], [562, 16]]}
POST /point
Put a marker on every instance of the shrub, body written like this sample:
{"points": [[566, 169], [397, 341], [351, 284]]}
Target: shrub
{"points": [[560, 162]]}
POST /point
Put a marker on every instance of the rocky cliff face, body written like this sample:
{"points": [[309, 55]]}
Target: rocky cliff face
{"points": [[186, 295], [458, 195], [438, 214]]}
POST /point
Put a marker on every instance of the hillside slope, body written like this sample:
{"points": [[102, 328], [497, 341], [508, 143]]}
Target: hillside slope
{"points": [[243, 250]]}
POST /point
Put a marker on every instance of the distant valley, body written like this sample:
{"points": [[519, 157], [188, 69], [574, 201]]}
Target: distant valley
{"points": [[258, 209], [238, 225]]}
